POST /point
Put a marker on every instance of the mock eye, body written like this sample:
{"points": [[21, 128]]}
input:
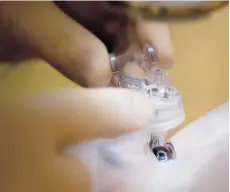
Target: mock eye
{"points": [[162, 155]]}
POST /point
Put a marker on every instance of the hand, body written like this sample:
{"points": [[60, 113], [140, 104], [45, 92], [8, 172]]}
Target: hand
{"points": [[41, 27], [34, 133]]}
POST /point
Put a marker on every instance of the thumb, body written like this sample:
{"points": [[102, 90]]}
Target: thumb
{"points": [[77, 115], [65, 44]]}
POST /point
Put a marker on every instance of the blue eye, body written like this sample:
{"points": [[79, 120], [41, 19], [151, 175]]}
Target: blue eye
{"points": [[162, 156]]}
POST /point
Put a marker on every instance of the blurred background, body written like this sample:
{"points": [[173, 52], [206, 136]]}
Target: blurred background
{"points": [[201, 69]]}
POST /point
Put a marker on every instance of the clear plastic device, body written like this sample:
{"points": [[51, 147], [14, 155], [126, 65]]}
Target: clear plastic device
{"points": [[166, 99]]}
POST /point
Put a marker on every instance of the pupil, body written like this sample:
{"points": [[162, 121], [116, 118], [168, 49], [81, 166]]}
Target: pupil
{"points": [[161, 155]]}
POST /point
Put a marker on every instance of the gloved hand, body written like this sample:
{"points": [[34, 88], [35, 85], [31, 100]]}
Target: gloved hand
{"points": [[46, 31], [34, 133]]}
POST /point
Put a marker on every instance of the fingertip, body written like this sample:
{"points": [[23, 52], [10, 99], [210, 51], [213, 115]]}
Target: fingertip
{"points": [[143, 110], [165, 59]]}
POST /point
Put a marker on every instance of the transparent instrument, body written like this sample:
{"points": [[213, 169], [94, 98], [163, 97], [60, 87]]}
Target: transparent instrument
{"points": [[155, 83]]}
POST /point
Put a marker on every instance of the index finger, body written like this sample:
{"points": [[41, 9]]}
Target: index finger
{"points": [[65, 44]]}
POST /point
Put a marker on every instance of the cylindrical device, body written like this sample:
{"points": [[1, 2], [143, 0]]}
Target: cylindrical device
{"points": [[155, 83], [166, 101]]}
